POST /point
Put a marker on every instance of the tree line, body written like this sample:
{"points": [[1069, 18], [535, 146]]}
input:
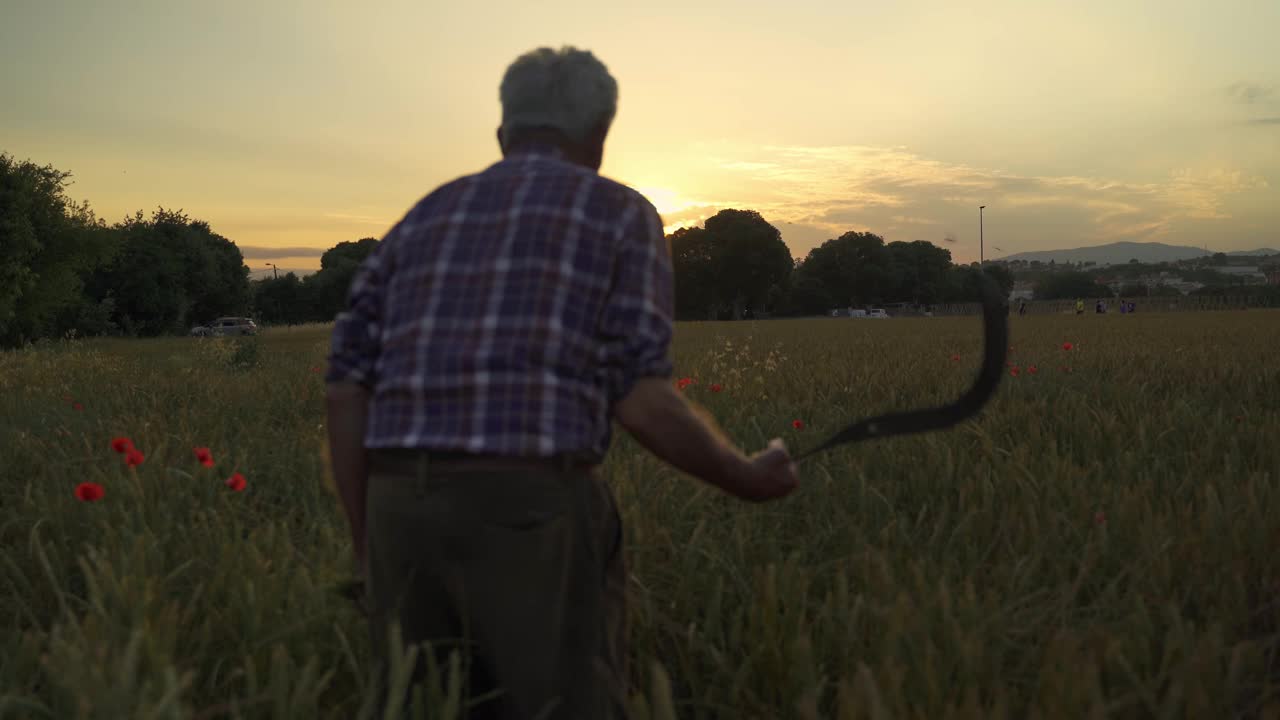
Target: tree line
{"points": [[65, 271], [736, 265], [1084, 285]]}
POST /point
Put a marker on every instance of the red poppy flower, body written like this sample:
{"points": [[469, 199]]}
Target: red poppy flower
{"points": [[684, 382], [1099, 518], [1013, 372], [797, 424], [715, 387], [121, 444], [134, 457], [1033, 369], [77, 406], [955, 358], [89, 492], [1066, 346], [316, 370], [236, 482], [203, 455]]}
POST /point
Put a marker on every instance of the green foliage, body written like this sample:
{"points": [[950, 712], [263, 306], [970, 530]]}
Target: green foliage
{"points": [[47, 245], [921, 271], [245, 356], [858, 269], [693, 259], [729, 266], [63, 271], [1069, 286], [320, 296], [1099, 543], [853, 269], [173, 272]]}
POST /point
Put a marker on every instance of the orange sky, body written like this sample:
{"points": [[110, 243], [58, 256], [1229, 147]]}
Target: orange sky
{"points": [[294, 126]]}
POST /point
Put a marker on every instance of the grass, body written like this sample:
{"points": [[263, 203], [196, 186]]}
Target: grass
{"points": [[1101, 543]]}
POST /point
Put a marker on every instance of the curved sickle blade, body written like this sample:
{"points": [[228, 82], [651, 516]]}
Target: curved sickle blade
{"points": [[995, 323]]}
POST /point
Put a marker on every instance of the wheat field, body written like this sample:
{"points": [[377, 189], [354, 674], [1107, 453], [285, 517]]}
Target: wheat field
{"points": [[1101, 542]]}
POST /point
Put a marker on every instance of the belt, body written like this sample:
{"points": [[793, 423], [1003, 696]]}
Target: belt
{"points": [[410, 459]]}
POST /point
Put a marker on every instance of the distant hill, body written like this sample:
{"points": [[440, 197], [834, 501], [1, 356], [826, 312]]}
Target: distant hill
{"points": [[1122, 252]]}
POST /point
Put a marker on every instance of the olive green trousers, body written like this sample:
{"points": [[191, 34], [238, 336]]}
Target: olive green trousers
{"points": [[518, 570]]}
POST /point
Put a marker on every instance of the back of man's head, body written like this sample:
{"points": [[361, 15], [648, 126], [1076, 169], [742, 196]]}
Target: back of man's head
{"points": [[566, 90]]}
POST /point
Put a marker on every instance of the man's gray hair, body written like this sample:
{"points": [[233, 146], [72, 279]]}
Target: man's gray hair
{"points": [[568, 90]]}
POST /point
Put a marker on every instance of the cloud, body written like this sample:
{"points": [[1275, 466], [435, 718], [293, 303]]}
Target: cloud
{"points": [[1249, 93], [257, 252], [1266, 121], [823, 192]]}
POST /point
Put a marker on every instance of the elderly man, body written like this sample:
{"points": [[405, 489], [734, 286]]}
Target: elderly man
{"points": [[488, 343]]}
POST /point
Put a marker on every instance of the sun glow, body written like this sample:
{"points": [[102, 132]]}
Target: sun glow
{"points": [[668, 203]]}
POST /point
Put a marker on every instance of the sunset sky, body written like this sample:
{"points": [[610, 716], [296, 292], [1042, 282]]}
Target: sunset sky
{"points": [[291, 126]]}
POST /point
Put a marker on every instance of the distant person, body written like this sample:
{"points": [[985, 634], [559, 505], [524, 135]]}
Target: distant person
{"points": [[486, 346], [1099, 308], [1124, 306], [1022, 308], [1079, 307]]}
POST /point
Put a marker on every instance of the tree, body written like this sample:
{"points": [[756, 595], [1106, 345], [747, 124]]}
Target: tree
{"points": [[728, 266], [327, 290], [750, 257], [281, 300], [694, 267], [1069, 286], [1003, 277], [854, 269], [921, 270], [171, 272], [806, 295], [47, 245], [1207, 276]]}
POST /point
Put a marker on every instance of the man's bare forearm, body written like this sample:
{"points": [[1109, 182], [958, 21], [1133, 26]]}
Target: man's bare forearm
{"points": [[348, 408], [682, 435]]}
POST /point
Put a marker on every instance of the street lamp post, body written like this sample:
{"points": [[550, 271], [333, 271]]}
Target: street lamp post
{"points": [[275, 272], [981, 255]]}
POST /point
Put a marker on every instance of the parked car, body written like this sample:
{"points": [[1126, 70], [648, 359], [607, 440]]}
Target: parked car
{"points": [[226, 326], [878, 314]]}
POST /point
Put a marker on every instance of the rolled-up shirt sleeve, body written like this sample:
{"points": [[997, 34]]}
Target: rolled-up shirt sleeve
{"points": [[356, 339], [636, 324]]}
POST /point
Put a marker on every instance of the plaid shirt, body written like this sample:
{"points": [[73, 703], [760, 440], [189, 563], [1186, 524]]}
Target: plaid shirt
{"points": [[508, 312]]}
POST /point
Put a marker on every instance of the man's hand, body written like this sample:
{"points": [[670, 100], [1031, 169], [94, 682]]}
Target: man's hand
{"points": [[771, 474], [686, 437]]}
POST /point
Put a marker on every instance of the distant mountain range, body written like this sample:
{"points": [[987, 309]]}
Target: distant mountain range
{"points": [[1122, 252]]}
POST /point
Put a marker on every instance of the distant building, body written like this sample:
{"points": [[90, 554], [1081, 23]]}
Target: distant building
{"points": [[1022, 290], [1272, 274]]}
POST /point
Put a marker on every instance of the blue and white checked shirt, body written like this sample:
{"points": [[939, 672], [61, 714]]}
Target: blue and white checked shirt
{"points": [[508, 311]]}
